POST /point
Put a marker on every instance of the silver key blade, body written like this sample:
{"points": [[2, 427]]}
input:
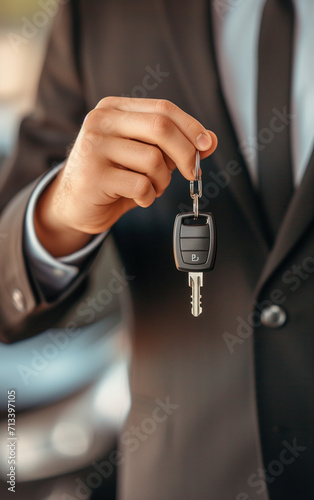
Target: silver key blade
{"points": [[196, 282]]}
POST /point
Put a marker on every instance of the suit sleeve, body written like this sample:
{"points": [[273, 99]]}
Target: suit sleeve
{"points": [[44, 138], [53, 275]]}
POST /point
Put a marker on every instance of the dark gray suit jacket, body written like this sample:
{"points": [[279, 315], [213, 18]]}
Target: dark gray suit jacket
{"points": [[239, 391]]}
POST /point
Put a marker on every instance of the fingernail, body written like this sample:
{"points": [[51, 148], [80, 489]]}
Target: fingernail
{"points": [[204, 141]]}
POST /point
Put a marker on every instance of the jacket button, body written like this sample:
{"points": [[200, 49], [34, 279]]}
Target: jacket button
{"points": [[18, 300], [273, 316]]}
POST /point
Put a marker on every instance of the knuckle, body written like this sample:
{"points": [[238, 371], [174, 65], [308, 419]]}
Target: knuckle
{"points": [[86, 144], [193, 128], [106, 102], [161, 125], [154, 157], [165, 184], [164, 107], [92, 119], [99, 121], [142, 187], [128, 147]]}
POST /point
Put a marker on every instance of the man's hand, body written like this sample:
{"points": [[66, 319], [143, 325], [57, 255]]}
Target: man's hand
{"points": [[123, 157]]}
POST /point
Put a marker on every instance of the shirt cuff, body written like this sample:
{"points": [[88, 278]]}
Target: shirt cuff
{"points": [[53, 275]]}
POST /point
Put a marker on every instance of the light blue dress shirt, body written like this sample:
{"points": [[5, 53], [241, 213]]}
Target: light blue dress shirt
{"points": [[236, 34], [53, 275]]}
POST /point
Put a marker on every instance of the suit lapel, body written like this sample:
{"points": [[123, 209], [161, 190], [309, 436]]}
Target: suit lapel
{"points": [[299, 216], [193, 53], [200, 80]]}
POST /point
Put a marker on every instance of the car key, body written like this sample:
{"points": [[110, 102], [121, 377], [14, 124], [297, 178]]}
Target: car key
{"points": [[194, 243]]}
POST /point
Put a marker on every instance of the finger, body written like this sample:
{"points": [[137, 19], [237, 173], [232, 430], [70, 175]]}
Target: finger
{"points": [[151, 128], [139, 157], [210, 151], [170, 163], [192, 128], [118, 182]]}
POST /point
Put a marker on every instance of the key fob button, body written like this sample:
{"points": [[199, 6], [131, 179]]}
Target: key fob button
{"points": [[189, 231], [194, 244], [194, 257]]}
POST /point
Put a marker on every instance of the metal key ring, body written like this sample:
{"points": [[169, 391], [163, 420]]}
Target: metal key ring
{"points": [[197, 166], [196, 185]]}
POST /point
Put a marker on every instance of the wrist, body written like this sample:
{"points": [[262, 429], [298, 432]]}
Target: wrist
{"points": [[56, 236]]}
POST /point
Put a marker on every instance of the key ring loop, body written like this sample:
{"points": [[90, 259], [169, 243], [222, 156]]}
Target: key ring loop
{"points": [[196, 185]]}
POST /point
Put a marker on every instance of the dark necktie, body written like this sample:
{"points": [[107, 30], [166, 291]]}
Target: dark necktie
{"points": [[274, 84]]}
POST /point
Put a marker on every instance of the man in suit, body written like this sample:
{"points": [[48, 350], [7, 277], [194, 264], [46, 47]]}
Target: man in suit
{"points": [[235, 384]]}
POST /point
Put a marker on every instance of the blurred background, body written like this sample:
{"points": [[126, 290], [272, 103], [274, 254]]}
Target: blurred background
{"points": [[72, 394], [20, 63]]}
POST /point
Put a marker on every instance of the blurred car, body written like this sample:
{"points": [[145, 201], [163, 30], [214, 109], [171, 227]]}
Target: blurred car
{"points": [[70, 408]]}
